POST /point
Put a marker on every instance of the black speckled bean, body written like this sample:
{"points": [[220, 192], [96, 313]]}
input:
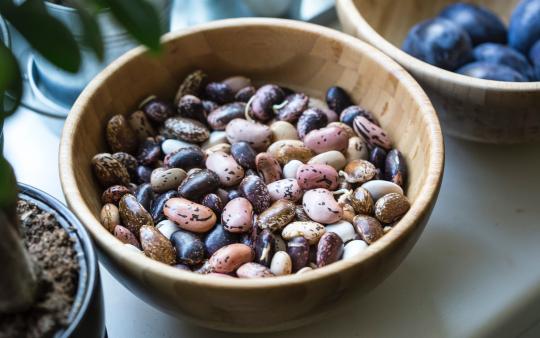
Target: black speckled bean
{"points": [[144, 195], [219, 92], [395, 169], [217, 238], [298, 250], [254, 189], [311, 119], [191, 106], [348, 115], [213, 201], [149, 152], [156, 209], [129, 161], [329, 249], [265, 247], [244, 155], [185, 158], [377, 156], [244, 94], [262, 103], [143, 174], [295, 106], [220, 116], [158, 110], [198, 184], [337, 99], [189, 247]]}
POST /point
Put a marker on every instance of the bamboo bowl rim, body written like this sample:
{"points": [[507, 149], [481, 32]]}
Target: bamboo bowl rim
{"points": [[417, 66], [110, 244]]}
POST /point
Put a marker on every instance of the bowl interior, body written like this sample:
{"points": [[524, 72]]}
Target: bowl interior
{"points": [[300, 56], [393, 19]]}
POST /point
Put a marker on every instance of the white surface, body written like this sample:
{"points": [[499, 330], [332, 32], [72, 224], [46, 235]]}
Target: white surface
{"points": [[473, 273]]}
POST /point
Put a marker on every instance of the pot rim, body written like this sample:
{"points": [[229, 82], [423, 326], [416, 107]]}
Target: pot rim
{"points": [[420, 207], [365, 31], [83, 245]]}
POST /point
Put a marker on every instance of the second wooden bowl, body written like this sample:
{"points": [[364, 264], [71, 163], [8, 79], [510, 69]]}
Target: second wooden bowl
{"points": [[469, 108], [302, 56]]}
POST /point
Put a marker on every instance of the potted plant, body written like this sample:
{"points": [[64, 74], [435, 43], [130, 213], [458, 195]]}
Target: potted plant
{"points": [[51, 286]]}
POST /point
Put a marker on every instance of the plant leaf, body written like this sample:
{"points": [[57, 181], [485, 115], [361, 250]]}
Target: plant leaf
{"points": [[45, 33], [8, 186], [10, 83], [91, 30], [139, 18]]}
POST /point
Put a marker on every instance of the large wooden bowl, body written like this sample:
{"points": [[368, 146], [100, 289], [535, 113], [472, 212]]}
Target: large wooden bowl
{"points": [[469, 108], [290, 53]]}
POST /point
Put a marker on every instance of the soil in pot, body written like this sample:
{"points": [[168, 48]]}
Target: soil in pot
{"points": [[53, 251]]}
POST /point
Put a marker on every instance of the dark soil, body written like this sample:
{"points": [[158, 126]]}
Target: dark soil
{"points": [[53, 251]]}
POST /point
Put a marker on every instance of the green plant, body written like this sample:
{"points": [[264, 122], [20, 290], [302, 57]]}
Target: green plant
{"points": [[54, 41]]}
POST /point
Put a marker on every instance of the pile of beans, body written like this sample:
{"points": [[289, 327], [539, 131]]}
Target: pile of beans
{"points": [[235, 181]]}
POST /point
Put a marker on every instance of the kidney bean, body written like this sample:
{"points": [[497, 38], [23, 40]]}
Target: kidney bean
{"points": [[237, 215], [198, 184], [294, 106], [278, 215], [253, 188], [191, 106], [265, 247], [221, 116], [144, 195], [219, 92], [311, 119], [298, 251], [337, 99], [320, 205], [229, 258], [253, 270], [189, 247], [329, 249], [189, 215], [156, 209], [185, 158], [114, 193], [244, 154], [217, 238], [262, 103], [395, 169]]}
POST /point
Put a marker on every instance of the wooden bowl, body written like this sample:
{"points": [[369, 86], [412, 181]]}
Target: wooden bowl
{"points": [[289, 53], [469, 108]]}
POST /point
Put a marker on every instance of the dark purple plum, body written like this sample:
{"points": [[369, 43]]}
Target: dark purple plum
{"points": [[491, 71], [439, 42], [503, 55], [480, 23], [524, 28]]}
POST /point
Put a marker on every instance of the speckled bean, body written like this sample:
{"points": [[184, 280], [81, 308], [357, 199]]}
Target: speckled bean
{"points": [[156, 246], [213, 202], [237, 216], [114, 193], [311, 119], [140, 125], [311, 176], [285, 189], [312, 231], [257, 135], [156, 209], [371, 132], [361, 201], [126, 236], [262, 103], [359, 171], [229, 172], [110, 216], [221, 116], [253, 188], [109, 171], [217, 238], [189, 247], [244, 155], [120, 136], [198, 183], [278, 215], [326, 139], [163, 180], [185, 158], [170, 146], [391, 207], [329, 249], [298, 251], [253, 270], [320, 205], [229, 258], [293, 107], [268, 167], [185, 129], [189, 215], [369, 228], [133, 214], [265, 246], [356, 149]]}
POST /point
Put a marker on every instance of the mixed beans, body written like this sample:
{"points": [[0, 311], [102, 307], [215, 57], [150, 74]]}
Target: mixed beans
{"points": [[237, 181]]}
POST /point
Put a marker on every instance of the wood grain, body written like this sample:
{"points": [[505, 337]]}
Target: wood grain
{"points": [[469, 108], [298, 55]]}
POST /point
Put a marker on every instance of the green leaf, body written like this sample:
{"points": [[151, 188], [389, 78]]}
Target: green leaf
{"points": [[91, 31], [139, 18], [10, 83], [8, 186], [45, 33]]}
